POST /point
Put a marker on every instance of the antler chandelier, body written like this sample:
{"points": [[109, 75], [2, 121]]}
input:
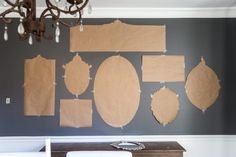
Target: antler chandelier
{"points": [[31, 25]]}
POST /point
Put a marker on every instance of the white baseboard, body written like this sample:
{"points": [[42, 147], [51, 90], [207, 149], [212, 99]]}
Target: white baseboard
{"points": [[196, 145]]}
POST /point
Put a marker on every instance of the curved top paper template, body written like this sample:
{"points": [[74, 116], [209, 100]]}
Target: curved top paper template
{"points": [[117, 91], [76, 76], [39, 87], [202, 86], [118, 36]]}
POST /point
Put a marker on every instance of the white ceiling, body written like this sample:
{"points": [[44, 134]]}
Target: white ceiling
{"points": [[156, 3]]}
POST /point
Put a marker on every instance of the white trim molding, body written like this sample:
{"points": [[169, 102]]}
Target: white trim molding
{"points": [[195, 145], [220, 12]]}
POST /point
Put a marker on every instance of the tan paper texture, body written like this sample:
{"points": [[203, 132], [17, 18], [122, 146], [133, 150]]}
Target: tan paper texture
{"points": [[117, 91], [76, 76], [39, 87], [163, 68], [118, 36], [202, 86], [76, 113], [165, 105]]}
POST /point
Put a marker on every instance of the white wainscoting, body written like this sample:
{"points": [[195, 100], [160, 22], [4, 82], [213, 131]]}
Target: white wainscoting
{"points": [[196, 146]]}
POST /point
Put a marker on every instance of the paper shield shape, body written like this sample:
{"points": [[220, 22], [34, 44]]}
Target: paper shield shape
{"points": [[202, 86], [76, 113], [165, 105], [163, 68], [76, 76], [39, 87], [118, 36], [116, 91]]}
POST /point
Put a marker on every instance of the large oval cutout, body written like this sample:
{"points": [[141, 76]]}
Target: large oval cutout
{"points": [[117, 91]]}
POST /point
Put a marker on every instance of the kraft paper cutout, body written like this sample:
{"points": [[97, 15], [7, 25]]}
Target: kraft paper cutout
{"points": [[163, 68], [118, 36], [76, 113], [165, 105], [117, 91], [39, 87], [76, 76], [202, 86]]}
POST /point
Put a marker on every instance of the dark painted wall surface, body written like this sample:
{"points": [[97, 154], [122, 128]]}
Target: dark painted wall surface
{"points": [[214, 39]]}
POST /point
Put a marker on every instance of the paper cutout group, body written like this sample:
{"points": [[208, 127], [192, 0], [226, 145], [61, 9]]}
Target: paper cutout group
{"points": [[116, 86]]}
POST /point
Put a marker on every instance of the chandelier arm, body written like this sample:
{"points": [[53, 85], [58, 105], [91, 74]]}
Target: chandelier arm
{"points": [[48, 2], [26, 9], [84, 4], [72, 12], [12, 4], [51, 7], [80, 17], [71, 25], [6, 20], [22, 14], [64, 23], [11, 10], [47, 15], [51, 13]]}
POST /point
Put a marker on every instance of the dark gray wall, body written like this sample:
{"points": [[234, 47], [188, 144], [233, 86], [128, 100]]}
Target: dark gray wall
{"points": [[214, 39]]}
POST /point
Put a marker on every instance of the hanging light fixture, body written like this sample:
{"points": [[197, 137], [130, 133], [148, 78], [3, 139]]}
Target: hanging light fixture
{"points": [[30, 25]]}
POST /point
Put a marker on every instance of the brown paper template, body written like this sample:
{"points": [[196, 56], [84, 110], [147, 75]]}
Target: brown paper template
{"points": [[118, 36], [39, 87], [76, 76], [202, 86], [117, 91], [76, 113], [165, 105], [163, 68]]}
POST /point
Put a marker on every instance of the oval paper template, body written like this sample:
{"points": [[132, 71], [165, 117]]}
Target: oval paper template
{"points": [[165, 105], [117, 91], [202, 86], [76, 76]]}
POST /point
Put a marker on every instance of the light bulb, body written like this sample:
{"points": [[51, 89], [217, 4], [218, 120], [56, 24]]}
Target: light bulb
{"points": [[30, 39], [57, 39], [5, 33], [81, 28], [57, 31], [90, 9], [21, 29]]}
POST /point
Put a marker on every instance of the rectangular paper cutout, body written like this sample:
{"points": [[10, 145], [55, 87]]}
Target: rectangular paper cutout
{"points": [[163, 69], [118, 36], [39, 87], [76, 113]]}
